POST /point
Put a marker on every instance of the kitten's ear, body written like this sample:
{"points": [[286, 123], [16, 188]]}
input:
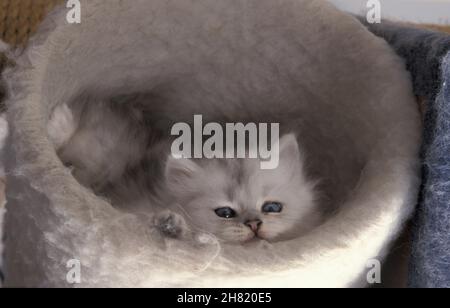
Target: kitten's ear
{"points": [[289, 150], [180, 170]]}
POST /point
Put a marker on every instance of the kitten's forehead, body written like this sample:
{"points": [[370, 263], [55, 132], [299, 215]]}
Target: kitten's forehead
{"points": [[238, 181], [241, 187]]}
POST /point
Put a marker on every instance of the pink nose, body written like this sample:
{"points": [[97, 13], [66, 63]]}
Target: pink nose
{"points": [[254, 224]]}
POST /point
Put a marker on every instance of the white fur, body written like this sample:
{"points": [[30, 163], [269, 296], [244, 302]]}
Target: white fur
{"points": [[200, 188], [194, 190], [303, 59]]}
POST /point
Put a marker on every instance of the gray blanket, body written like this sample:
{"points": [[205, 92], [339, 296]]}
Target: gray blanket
{"points": [[427, 58]]}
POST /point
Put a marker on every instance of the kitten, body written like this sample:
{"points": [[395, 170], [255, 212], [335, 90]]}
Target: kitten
{"points": [[232, 199], [236, 201]]}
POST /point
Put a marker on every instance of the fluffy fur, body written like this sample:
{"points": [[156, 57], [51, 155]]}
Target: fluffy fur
{"points": [[252, 60], [200, 188], [431, 248], [194, 189]]}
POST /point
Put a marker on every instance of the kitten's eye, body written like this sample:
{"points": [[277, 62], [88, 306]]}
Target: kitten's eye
{"points": [[272, 207], [226, 212]]}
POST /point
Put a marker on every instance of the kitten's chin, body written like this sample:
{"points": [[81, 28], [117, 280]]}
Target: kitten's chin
{"points": [[254, 239], [241, 240], [251, 238], [272, 238], [235, 235], [251, 241]]}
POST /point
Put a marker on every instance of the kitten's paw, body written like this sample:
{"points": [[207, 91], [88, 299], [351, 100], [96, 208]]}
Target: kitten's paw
{"points": [[170, 224], [61, 126]]}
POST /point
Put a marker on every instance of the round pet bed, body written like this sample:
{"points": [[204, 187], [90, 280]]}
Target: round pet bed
{"points": [[359, 119]]}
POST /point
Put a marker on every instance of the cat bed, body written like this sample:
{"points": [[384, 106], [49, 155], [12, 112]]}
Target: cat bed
{"points": [[362, 132]]}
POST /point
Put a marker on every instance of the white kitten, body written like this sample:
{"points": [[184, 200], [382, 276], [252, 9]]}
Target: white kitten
{"points": [[232, 199], [237, 201]]}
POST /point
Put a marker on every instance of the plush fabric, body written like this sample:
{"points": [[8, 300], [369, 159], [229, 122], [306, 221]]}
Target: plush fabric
{"points": [[367, 116], [431, 249], [423, 51], [425, 54], [3, 134]]}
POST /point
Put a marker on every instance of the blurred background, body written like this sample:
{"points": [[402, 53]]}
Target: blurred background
{"points": [[414, 11], [19, 18]]}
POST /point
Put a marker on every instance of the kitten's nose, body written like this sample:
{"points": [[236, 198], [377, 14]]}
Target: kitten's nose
{"points": [[253, 224]]}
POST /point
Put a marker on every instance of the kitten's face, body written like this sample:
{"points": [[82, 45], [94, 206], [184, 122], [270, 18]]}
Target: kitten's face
{"points": [[237, 201]]}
